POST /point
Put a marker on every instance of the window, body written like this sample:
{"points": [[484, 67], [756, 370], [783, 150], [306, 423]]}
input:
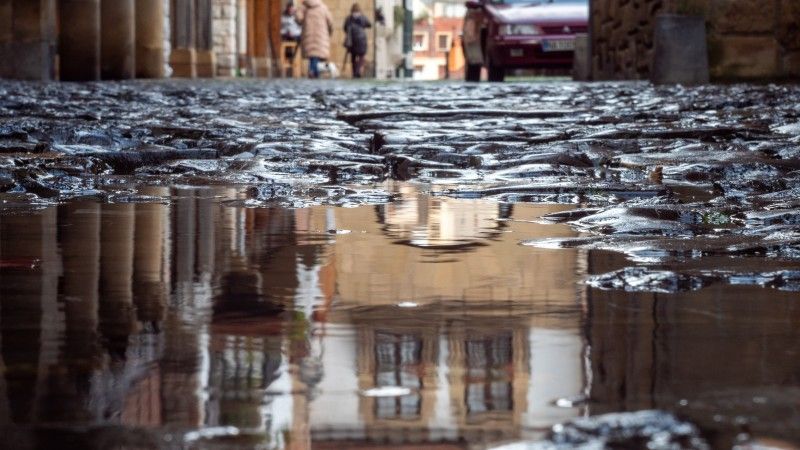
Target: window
{"points": [[444, 41], [489, 374], [420, 42], [397, 361]]}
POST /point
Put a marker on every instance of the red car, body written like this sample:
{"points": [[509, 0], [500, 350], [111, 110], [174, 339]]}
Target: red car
{"points": [[521, 34]]}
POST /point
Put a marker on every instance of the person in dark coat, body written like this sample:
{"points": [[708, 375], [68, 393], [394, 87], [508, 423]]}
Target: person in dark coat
{"points": [[356, 38]]}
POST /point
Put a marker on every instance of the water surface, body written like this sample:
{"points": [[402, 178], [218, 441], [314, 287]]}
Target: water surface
{"points": [[196, 322]]}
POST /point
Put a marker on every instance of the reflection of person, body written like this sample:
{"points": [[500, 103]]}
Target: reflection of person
{"points": [[356, 38], [317, 24]]}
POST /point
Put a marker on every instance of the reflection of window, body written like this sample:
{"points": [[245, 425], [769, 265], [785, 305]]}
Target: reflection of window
{"points": [[489, 370], [443, 42], [420, 42], [397, 360]]}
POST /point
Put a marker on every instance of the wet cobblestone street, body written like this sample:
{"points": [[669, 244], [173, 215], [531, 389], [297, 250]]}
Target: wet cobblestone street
{"points": [[230, 264], [664, 175]]}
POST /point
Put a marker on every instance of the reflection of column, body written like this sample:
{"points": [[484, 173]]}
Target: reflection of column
{"points": [[5, 407], [27, 39], [184, 233], [180, 369], [27, 298], [150, 289], [206, 59], [52, 322], [181, 364], [149, 38], [116, 277], [80, 253], [117, 47], [79, 43], [184, 57], [206, 233]]}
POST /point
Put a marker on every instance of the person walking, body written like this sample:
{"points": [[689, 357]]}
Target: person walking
{"points": [[317, 24], [356, 38]]}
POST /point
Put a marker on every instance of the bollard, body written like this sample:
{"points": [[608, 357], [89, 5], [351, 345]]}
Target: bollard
{"points": [[680, 53], [581, 58]]}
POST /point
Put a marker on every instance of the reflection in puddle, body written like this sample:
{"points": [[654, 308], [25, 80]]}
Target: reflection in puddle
{"points": [[212, 326], [439, 223]]}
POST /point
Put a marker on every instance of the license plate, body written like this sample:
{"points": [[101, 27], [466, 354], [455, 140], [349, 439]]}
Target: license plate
{"points": [[517, 52], [560, 45]]}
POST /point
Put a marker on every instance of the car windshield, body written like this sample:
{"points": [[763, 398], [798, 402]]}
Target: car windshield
{"points": [[539, 2]]}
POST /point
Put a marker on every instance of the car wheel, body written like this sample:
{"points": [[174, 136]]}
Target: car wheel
{"points": [[473, 72], [497, 74]]}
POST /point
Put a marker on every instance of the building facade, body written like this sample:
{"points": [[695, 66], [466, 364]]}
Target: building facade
{"points": [[437, 30], [80, 40]]}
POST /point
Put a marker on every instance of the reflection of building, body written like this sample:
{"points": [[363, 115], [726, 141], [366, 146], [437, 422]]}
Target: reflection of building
{"points": [[460, 268], [426, 266], [193, 315]]}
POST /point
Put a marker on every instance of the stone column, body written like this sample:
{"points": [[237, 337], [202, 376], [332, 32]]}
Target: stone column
{"points": [[79, 43], [204, 40], [149, 38], [27, 39], [117, 46], [184, 56], [224, 34], [260, 39]]}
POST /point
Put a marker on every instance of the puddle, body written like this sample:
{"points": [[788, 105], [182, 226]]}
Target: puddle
{"points": [[195, 322]]}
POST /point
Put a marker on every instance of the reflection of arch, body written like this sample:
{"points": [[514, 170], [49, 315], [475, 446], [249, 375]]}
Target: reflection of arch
{"points": [[437, 221], [370, 272]]}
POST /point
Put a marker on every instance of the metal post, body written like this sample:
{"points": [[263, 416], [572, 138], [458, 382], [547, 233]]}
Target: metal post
{"points": [[408, 38]]}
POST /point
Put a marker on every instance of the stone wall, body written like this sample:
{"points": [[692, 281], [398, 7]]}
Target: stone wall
{"points": [[747, 39], [224, 15], [622, 37]]}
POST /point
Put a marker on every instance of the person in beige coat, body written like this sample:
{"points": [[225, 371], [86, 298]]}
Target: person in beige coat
{"points": [[315, 19]]}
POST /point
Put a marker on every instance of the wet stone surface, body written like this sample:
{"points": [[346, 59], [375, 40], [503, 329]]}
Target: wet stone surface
{"points": [[248, 264], [638, 430], [664, 175]]}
